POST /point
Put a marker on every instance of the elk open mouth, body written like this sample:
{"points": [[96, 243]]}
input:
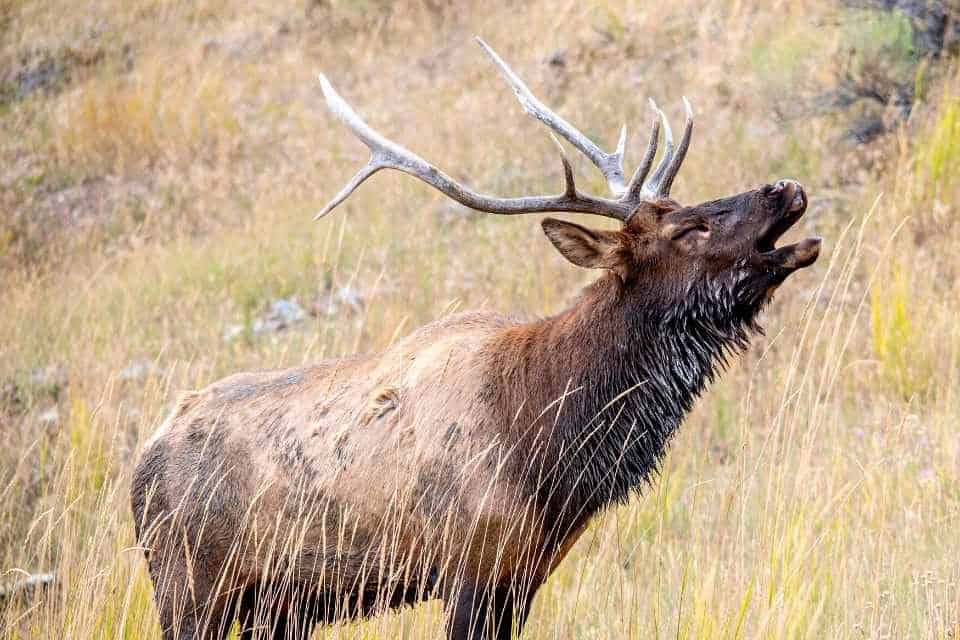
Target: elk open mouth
{"points": [[794, 256]]}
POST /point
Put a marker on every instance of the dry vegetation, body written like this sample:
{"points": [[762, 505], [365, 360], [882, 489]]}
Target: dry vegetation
{"points": [[160, 192]]}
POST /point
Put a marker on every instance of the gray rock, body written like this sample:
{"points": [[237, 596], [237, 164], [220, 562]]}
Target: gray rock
{"points": [[49, 416], [49, 376], [27, 585], [232, 332], [283, 314], [346, 299]]}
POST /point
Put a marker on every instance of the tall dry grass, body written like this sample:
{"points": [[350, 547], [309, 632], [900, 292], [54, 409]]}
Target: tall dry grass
{"points": [[813, 493]]}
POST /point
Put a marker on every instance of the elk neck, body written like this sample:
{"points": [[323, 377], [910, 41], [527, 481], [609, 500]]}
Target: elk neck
{"points": [[598, 390]]}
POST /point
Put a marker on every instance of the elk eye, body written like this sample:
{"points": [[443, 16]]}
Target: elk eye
{"points": [[695, 229]]}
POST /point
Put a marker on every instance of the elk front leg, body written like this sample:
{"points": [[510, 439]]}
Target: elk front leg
{"points": [[468, 612], [189, 606], [481, 613]]}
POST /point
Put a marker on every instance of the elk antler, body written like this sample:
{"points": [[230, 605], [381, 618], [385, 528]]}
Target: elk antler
{"points": [[610, 164], [385, 154]]}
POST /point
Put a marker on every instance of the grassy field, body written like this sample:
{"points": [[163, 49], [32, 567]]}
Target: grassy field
{"points": [[156, 197]]}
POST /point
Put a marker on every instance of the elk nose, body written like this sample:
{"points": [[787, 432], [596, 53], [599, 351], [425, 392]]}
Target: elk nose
{"points": [[783, 184], [794, 191]]}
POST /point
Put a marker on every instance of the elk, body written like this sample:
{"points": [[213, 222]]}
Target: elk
{"points": [[462, 462]]}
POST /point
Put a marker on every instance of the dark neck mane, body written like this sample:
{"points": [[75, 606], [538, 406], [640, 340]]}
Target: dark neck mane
{"points": [[605, 384]]}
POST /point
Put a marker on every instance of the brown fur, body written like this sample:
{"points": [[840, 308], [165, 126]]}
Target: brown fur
{"points": [[459, 462]]}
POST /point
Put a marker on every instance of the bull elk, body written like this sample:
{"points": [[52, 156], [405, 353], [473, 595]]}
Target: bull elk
{"points": [[463, 461]]}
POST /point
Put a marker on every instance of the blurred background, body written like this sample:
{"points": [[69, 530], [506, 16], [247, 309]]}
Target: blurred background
{"points": [[160, 164]]}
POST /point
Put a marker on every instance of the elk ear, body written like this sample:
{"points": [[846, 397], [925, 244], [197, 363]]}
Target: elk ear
{"points": [[590, 248]]}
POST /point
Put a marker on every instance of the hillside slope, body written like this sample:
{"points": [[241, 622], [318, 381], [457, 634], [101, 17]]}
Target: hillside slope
{"points": [[160, 164]]}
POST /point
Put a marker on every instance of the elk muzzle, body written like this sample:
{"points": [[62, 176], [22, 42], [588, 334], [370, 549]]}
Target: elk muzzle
{"points": [[792, 205]]}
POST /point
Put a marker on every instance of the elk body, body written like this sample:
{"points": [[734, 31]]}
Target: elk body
{"points": [[464, 461]]}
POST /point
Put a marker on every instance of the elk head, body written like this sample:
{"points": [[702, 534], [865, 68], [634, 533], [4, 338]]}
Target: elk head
{"points": [[667, 253]]}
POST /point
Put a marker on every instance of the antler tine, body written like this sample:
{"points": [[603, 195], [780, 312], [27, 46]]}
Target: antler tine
{"points": [[662, 179], [621, 145], [610, 164], [365, 172], [570, 187], [635, 188], [681, 153], [652, 188], [385, 154]]}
